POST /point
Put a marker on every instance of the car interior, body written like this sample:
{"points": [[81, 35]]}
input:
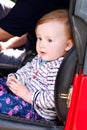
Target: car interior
{"points": [[73, 71]]}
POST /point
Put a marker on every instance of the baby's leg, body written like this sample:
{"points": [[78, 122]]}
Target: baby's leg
{"points": [[14, 106], [3, 86]]}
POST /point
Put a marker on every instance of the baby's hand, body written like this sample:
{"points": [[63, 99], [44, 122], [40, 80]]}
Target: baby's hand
{"points": [[9, 78], [16, 86]]}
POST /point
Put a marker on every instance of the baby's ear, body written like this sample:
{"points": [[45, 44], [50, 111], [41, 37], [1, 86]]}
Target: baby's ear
{"points": [[69, 45]]}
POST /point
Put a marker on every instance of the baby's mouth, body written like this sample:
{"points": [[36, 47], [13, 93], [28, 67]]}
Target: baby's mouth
{"points": [[42, 53]]}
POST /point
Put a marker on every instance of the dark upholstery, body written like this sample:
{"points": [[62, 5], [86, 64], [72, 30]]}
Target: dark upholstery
{"points": [[63, 83]]}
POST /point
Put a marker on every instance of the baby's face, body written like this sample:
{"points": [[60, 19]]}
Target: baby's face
{"points": [[51, 40]]}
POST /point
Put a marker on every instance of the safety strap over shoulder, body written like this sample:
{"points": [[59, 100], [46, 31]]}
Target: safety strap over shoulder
{"points": [[63, 83]]}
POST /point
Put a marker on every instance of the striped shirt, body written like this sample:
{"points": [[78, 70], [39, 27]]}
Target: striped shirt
{"points": [[39, 77]]}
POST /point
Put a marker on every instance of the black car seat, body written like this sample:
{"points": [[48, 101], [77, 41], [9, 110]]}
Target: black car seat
{"points": [[63, 83], [5, 69], [15, 123]]}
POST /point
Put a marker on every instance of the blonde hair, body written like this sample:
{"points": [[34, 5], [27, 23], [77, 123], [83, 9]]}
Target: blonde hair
{"points": [[60, 15]]}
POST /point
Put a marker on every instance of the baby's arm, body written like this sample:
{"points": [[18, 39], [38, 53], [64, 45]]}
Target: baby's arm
{"points": [[19, 89], [24, 72]]}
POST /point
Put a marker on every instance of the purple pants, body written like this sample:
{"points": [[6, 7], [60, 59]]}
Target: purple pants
{"points": [[13, 105]]}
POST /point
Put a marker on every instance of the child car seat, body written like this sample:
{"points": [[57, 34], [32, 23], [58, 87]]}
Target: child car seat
{"points": [[63, 83], [15, 123]]}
